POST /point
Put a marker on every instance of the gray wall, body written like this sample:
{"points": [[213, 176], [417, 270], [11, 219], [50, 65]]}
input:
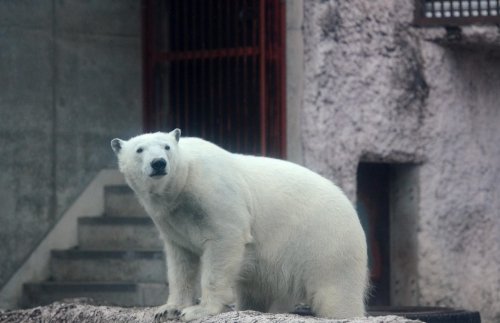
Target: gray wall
{"points": [[460, 222], [378, 89], [70, 80]]}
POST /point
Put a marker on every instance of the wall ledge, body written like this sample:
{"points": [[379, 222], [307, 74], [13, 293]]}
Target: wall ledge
{"points": [[473, 36]]}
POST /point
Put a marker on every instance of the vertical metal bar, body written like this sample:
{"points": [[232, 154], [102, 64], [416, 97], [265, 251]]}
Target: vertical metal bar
{"points": [[177, 64], [146, 12], [173, 24], [282, 78], [156, 68], [277, 81], [262, 76], [269, 30], [229, 86], [275, 150], [185, 68], [194, 77], [220, 44], [237, 82], [166, 66], [273, 79], [245, 82], [167, 91], [211, 78], [255, 136], [172, 66], [203, 83]]}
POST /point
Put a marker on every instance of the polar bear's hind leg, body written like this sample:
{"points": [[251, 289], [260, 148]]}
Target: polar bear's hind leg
{"points": [[337, 303], [248, 298]]}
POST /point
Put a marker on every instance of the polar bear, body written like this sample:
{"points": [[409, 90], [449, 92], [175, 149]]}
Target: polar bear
{"points": [[264, 233]]}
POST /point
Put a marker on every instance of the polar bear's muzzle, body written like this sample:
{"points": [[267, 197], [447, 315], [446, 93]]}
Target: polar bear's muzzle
{"points": [[158, 166]]}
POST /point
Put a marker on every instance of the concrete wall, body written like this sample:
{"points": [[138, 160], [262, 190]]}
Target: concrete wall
{"points": [[379, 89], [70, 80], [294, 78]]}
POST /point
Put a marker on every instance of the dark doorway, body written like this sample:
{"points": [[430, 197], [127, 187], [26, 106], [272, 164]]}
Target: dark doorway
{"points": [[387, 203], [215, 69], [373, 204]]}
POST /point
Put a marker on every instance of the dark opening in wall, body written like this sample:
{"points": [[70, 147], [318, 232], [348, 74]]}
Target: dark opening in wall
{"points": [[387, 203], [373, 210]]}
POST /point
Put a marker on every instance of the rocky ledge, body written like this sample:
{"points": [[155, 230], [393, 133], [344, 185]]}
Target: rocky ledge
{"points": [[81, 312]]}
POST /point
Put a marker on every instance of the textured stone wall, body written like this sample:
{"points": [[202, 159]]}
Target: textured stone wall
{"points": [[69, 82], [365, 90], [378, 89], [460, 198]]}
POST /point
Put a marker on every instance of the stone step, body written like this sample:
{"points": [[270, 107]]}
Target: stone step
{"points": [[119, 200], [104, 293], [108, 265], [114, 232]]}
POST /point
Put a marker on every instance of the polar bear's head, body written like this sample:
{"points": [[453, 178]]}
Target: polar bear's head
{"points": [[148, 158]]}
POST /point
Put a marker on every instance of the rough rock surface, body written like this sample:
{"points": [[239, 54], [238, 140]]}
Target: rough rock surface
{"points": [[365, 89], [75, 312], [377, 88]]}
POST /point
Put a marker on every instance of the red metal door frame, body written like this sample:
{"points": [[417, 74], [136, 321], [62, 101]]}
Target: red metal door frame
{"points": [[269, 53]]}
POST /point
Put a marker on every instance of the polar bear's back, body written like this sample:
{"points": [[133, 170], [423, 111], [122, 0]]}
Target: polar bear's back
{"points": [[288, 195], [279, 179], [292, 203], [303, 226], [279, 189]]}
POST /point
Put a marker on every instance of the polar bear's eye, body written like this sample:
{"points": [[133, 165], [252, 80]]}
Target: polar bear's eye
{"points": [[139, 150], [167, 147]]}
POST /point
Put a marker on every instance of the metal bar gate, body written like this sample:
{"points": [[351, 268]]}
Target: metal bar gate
{"points": [[216, 69]]}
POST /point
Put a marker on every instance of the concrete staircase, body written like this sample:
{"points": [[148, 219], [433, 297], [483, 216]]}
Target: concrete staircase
{"points": [[118, 260]]}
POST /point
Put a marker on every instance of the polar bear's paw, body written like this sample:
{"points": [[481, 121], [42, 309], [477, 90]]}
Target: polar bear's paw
{"points": [[198, 311], [167, 312]]}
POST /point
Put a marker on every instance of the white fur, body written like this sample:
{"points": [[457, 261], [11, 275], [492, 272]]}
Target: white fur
{"points": [[264, 232]]}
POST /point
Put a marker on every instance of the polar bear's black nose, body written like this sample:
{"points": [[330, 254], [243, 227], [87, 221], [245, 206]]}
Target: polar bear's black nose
{"points": [[158, 164]]}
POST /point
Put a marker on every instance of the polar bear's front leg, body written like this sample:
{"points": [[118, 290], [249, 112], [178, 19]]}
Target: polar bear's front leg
{"points": [[220, 266], [182, 267]]}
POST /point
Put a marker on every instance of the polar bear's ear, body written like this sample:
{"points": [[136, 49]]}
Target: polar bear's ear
{"points": [[116, 144], [176, 133]]}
